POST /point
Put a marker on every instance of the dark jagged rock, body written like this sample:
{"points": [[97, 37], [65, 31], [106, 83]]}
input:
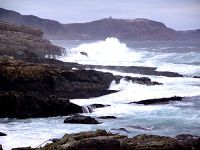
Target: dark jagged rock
{"points": [[39, 80], [108, 117], [128, 69], [50, 61], [2, 134], [125, 29], [186, 137], [151, 142], [158, 100], [98, 105], [43, 77], [84, 53], [57, 78], [98, 140], [137, 80], [138, 70], [141, 80], [197, 77], [93, 141], [34, 83], [80, 119], [102, 140], [34, 104], [21, 41], [1, 147], [189, 140]]}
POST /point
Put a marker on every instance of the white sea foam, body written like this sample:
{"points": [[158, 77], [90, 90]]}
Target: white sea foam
{"points": [[113, 52], [180, 68], [108, 52], [165, 119], [134, 92]]}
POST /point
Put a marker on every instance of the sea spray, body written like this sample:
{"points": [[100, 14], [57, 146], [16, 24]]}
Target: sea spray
{"points": [[111, 51], [108, 52]]}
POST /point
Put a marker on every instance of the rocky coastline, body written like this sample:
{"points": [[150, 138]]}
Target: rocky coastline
{"points": [[44, 90], [102, 140], [35, 86], [32, 86], [21, 41]]}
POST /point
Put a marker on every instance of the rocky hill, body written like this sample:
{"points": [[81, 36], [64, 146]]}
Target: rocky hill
{"points": [[124, 29], [137, 29], [21, 41], [50, 28]]}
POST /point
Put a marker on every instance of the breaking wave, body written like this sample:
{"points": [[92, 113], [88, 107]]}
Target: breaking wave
{"points": [[113, 52]]}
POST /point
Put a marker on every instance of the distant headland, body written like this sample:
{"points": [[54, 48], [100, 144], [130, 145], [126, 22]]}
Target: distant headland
{"points": [[123, 29]]}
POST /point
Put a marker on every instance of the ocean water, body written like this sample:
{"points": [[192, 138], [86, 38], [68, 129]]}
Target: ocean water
{"points": [[163, 119], [178, 56]]}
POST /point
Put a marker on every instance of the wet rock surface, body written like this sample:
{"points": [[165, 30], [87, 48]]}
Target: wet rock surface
{"points": [[197, 77], [158, 100], [80, 119], [33, 89], [57, 79], [2, 134], [20, 80], [141, 80], [34, 104], [102, 140], [108, 117], [68, 65], [138, 70]]}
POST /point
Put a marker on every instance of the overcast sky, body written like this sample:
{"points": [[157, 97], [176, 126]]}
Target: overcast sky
{"points": [[177, 14]]}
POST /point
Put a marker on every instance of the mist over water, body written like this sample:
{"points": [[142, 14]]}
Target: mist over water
{"points": [[163, 119]]}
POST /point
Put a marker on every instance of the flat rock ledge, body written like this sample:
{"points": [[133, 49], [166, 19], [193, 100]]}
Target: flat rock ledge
{"points": [[158, 100], [102, 140]]}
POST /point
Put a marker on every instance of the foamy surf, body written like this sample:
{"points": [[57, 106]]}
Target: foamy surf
{"points": [[113, 52], [169, 119], [108, 52], [131, 92]]}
